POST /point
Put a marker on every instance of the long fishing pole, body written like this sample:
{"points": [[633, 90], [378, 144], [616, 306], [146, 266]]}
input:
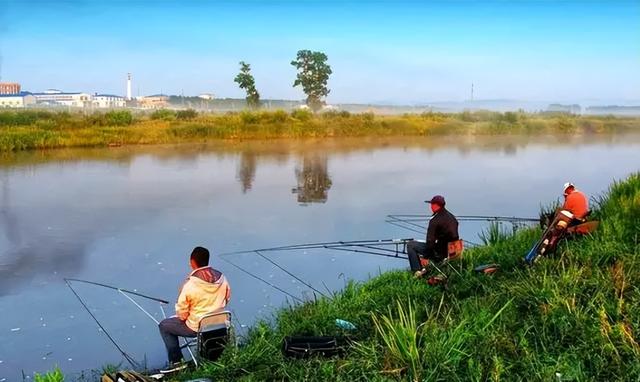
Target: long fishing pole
{"points": [[325, 245], [119, 289], [129, 359], [290, 274], [420, 217]]}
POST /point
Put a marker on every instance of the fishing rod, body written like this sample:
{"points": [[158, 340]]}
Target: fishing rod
{"points": [[422, 229], [129, 359], [422, 217], [120, 290], [372, 247], [329, 245]]}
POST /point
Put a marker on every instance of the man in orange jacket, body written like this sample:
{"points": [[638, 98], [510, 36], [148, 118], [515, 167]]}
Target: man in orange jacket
{"points": [[575, 202], [573, 211]]}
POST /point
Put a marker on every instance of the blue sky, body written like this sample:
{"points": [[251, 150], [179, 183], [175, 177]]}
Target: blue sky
{"points": [[380, 51]]}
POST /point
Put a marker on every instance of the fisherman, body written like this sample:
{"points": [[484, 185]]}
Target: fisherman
{"points": [[204, 291], [575, 202], [442, 230], [574, 211]]}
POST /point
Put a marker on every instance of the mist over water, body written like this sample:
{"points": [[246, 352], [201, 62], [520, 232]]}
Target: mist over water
{"points": [[130, 216]]}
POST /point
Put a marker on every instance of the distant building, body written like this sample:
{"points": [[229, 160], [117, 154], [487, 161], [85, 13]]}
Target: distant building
{"points": [[9, 88], [108, 101], [207, 96], [54, 97], [20, 101], [157, 101]]}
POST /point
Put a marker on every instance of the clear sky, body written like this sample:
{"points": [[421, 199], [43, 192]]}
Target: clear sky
{"points": [[380, 51]]}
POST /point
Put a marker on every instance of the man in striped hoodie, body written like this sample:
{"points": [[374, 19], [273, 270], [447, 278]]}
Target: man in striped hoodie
{"points": [[204, 291]]}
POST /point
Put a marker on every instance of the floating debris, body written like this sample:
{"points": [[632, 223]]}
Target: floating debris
{"points": [[70, 359], [68, 338], [71, 317], [159, 262], [15, 329]]}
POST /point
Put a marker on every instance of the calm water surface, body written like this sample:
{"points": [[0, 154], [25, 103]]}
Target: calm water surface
{"points": [[130, 217]]}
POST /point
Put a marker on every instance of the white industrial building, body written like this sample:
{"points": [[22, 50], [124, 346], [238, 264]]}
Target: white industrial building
{"points": [[108, 101], [21, 100], [58, 98]]}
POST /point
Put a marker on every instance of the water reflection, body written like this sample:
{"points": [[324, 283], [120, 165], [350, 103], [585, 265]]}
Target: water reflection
{"points": [[313, 179], [247, 169], [33, 251]]}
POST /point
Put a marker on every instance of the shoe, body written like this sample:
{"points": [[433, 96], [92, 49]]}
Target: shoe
{"points": [[174, 367], [420, 273]]}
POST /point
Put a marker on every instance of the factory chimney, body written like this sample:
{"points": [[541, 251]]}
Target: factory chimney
{"points": [[128, 86]]}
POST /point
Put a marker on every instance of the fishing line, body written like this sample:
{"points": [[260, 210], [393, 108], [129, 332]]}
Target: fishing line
{"points": [[139, 307], [133, 363], [289, 273], [260, 278]]}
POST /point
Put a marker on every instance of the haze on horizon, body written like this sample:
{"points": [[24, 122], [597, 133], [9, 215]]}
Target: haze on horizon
{"points": [[391, 52]]}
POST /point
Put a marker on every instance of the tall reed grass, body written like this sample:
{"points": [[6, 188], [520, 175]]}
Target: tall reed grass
{"points": [[35, 129]]}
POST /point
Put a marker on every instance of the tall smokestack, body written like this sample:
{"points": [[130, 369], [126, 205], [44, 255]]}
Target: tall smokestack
{"points": [[128, 86]]}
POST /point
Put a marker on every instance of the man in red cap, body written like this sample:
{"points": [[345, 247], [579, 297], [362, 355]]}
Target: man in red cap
{"points": [[443, 229], [575, 202]]}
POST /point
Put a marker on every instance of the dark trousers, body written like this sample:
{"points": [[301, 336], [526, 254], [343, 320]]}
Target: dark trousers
{"points": [[170, 329], [416, 250]]}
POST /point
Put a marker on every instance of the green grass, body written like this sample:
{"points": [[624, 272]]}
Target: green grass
{"points": [[37, 129], [574, 317]]}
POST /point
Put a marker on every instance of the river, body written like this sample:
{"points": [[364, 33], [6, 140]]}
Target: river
{"points": [[129, 216]]}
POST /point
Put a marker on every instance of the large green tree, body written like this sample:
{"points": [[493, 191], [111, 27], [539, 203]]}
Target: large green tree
{"points": [[313, 74], [246, 81]]}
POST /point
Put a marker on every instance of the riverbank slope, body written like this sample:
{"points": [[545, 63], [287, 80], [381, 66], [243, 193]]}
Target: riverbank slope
{"points": [[41, 129], [572, 317]]}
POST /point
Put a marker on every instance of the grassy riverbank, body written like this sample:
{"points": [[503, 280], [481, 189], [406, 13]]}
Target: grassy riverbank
{"points": [[34, 129], [573, 317]]}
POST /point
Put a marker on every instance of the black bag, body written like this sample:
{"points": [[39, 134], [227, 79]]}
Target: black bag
{"points": [[304, 347]]}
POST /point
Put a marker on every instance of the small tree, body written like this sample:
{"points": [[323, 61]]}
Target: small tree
{"points": [[313, 74], [246, 81]]}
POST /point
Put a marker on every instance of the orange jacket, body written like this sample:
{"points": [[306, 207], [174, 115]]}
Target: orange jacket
{"points": [[576, 203]]}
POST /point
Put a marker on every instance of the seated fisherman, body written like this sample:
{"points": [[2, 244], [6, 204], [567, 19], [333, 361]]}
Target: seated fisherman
{"points": [[576, 203], [573, 212], [443, 229], [204, 291]]}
